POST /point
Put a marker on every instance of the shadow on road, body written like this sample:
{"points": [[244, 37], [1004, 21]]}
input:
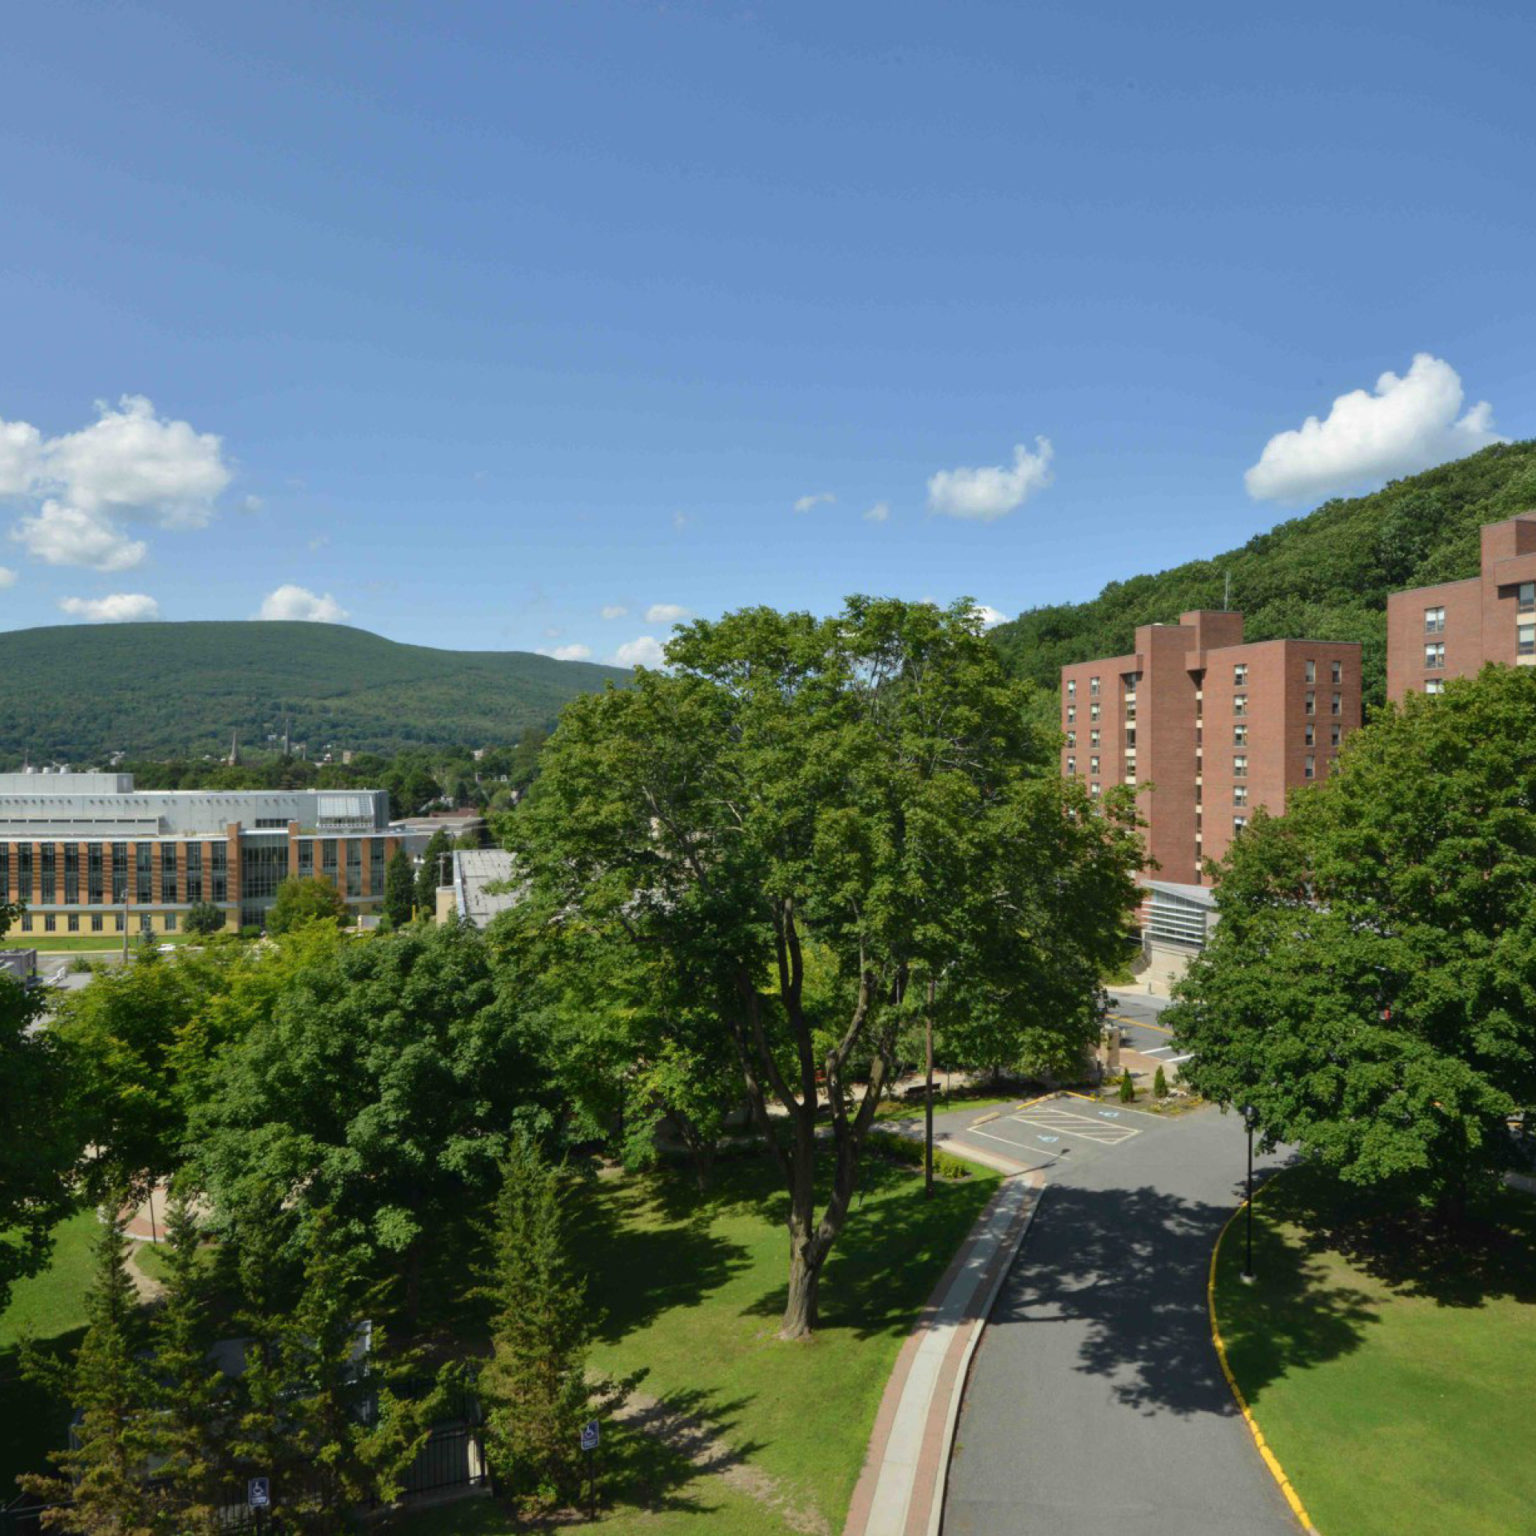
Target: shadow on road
{"points": [[1131, 1265]]}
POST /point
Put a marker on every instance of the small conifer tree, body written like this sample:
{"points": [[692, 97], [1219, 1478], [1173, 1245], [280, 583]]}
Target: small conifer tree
{"points": [[1160, 1085], [192, 1425], [1127, 1088], [534, 1385], [103, 1489], [399, 889]]}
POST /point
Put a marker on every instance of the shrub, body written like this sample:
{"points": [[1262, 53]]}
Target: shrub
{"points": [[904, 1149], [1127, 1088], [1160, 1085]]}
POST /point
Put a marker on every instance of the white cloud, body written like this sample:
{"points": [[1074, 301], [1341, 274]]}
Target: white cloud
{"points": [[67, 535], [118, 608], [643, 651], [295, 602], [993, 491], [990, 617], [567, 652], [808, 503], [680, 520], [7, 576], [128, 464], [667, 613], [252, 504], [878, 513], [1407, 424], [615, 611]]}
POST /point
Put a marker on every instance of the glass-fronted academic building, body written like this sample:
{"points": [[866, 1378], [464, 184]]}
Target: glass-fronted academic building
{"points": [[88, 853]]}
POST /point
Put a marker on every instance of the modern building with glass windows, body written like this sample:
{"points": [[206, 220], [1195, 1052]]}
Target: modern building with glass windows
{"points": [[1456, 628], [87, 853]]}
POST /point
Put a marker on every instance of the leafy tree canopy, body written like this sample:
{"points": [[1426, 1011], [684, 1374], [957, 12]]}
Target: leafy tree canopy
{"points": [[307, 899], [1371, 988]]}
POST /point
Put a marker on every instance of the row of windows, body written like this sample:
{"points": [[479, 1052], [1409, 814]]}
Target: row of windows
{"points": [[49, 922], [185, 875], [1239, 700]]}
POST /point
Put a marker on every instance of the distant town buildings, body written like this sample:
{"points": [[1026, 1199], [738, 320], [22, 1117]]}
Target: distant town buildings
{"points": [[88, 853], [1455, 628]]}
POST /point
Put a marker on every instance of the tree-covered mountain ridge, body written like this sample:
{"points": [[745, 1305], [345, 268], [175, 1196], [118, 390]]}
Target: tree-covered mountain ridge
{"points": [[78, 693], [1323, 576]]}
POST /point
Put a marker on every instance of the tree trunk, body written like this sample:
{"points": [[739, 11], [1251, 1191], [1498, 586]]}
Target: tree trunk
{"points": [[804, 1283]]}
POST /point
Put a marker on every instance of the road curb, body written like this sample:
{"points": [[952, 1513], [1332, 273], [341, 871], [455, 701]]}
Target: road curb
{"points": [[1270, 1459]]}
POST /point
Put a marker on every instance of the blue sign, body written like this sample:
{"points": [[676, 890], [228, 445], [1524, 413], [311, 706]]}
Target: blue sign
{"points": [[1048, 1138], [590, 1435], [258, 1493]]}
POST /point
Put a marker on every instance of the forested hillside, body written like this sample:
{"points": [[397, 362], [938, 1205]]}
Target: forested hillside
{"points": [[179, 690], [1324, 576]]}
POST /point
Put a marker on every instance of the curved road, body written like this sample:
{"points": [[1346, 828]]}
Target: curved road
{"points": [[1096, 1405]]}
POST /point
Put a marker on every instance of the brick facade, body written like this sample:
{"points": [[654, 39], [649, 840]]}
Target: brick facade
{"points": [[1209, 727], [1490, 617]]}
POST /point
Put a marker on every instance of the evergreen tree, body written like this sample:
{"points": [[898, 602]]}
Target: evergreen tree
{"points": [[431, 872], [102, 1490], [191, 1427], [535, 1386], [1127, 1088], [399, 889], [1160, 1085]]}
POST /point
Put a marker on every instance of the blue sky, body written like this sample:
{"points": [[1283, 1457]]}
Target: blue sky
{"points": [[470, 322]]}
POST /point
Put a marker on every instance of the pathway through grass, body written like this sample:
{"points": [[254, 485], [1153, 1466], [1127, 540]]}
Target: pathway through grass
{"points": [[1391, 1365]]}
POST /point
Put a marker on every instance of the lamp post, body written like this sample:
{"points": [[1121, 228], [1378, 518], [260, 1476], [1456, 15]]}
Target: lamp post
{"points": [[928, 1099], [1248, 1275]]}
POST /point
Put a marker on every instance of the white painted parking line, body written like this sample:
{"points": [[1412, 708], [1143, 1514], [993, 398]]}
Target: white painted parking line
{"points": [[1173, 1061], [1158, 1050], [1068, 1122]]}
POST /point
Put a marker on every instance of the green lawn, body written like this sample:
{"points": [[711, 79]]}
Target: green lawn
{"points": [[690, 1290], [83, 943], [1392, 1367], [50, 1307]]}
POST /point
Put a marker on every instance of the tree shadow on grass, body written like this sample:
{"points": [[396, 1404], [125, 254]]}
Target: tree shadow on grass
{"points": [[890, 1254], [1489, 1255], [33, 1420], [637, 1269], [1128, 1267]]}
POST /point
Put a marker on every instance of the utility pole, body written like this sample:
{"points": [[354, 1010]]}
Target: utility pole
{"points": [[928, 1099]]}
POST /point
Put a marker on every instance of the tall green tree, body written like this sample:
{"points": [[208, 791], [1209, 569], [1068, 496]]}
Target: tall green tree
{"points": [[1370, 991], [307, 899], [381, 1087], [867, 785], [103, 1488], [399, 889], [42, 1134], [203, 917], [191, 1427], [431, 872], [535, 1384]]}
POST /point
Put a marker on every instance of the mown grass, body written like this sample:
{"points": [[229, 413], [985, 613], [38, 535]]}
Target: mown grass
{"points": [[1390, 1361], [50, 1309]]}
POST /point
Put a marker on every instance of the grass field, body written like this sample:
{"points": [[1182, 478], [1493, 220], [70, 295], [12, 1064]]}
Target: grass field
{"points": [[49, 1307], [1389, 1364]]}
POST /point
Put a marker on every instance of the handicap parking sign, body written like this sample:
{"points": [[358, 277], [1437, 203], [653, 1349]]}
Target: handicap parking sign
{"points": [[589, 1435], [258, 1493]]}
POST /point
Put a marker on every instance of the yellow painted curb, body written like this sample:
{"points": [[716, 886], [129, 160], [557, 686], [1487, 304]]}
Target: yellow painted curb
{"points": [[1121, 1018], [1270, 1460], [985, 1118]]}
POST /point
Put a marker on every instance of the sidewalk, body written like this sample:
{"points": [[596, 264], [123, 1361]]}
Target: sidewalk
{"points": [[901, 1489]]}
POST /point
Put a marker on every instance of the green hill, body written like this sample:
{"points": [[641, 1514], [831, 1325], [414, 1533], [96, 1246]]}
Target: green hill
{"points": [[161, 690], [1324, 576]]}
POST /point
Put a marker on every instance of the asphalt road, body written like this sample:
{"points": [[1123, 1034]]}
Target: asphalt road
{"points": [[1096, 1405]]}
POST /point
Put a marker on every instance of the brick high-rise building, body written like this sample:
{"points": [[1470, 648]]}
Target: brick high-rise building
{"points": [[1452, 629], [1215, 725]]}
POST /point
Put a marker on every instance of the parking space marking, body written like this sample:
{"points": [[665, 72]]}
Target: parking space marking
{"points": [[1070, 1123]]}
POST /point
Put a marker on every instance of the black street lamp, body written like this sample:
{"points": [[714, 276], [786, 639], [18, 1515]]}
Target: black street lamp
{"points": [[1248, 1275]]}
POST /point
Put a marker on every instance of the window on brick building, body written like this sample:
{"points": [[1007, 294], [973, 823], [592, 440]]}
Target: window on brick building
{"points": [[1130, 736], [1239, 794], [1525, 638], [1310, 769], [1240, 766], [1240, 675], [1434, 685], [1239, 735], [1093, 789], [1071, 713], [1434, 655], [1093, 711], [1311, 736], [1526, 601], [1071, 687], [1338, 671], [1434, 621], [1311, 671], [1311, 703], [1335, 735], [1238, 823], [1071, 767], [1093, 738], [1071, 738], [1239, 703], [1093, 765], [1093, 686], [1336, 704]]}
